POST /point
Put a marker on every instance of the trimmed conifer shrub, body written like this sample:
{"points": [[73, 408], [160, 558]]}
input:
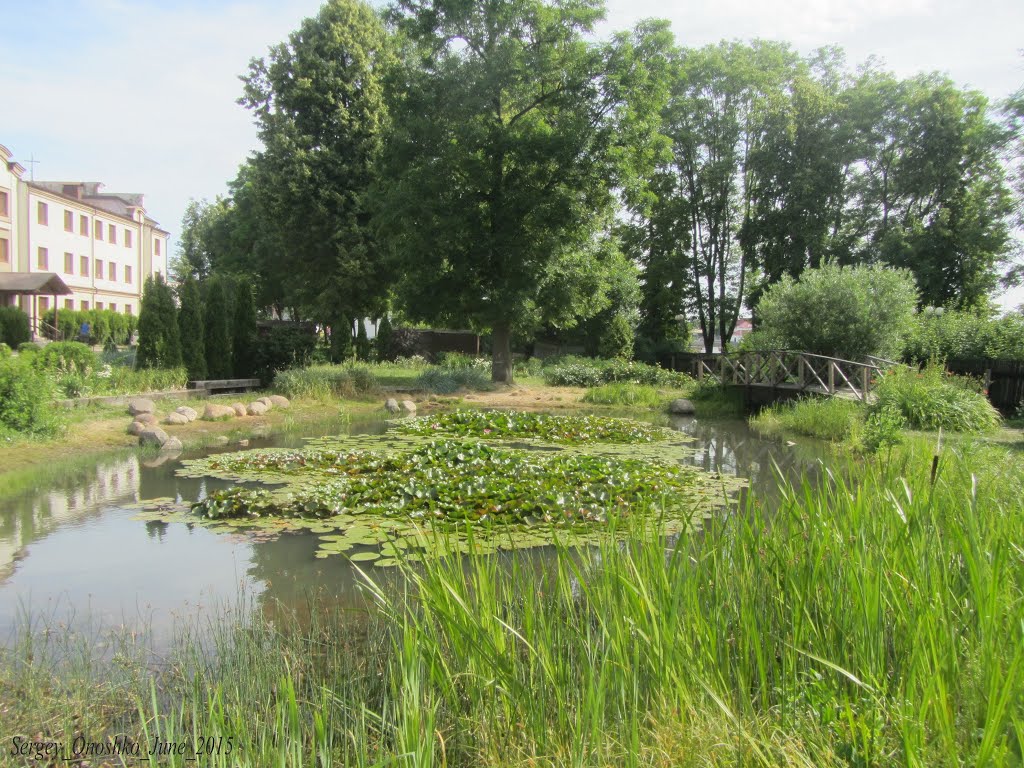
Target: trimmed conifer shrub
{"points": [[159, 340], [191, 329], [218, 341], [243, 332]]}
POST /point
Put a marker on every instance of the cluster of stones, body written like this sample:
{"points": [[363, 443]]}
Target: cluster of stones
{"points": [[406, 407], [144, 419]]}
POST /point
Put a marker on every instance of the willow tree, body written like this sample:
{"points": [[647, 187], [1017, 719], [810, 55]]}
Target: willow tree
{"points": [[497, 188]]}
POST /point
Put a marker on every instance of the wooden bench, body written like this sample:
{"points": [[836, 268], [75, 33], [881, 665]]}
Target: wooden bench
{"points": [[225, 385]]}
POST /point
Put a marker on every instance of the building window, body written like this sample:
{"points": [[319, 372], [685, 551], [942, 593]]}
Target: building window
{"points": [[5, 251], [43, 259], [83, 226], [98, 230], [112, 271], [85, 305], [127, 238], [5, 204], [99, 305], [128, 275], [156, 247], [69, 263], [42, 213], [99, 269], [44, 303], [69, 303], [113, 307], [127, 309], [69, 221], [112, 233], [83, 266]]}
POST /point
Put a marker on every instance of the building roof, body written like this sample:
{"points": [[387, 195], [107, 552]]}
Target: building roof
{"points": [[33, 283]]}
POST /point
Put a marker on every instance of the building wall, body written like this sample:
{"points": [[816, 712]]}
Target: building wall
{"points": [[102, 245]]}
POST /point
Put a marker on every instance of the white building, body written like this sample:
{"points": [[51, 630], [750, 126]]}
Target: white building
{"points": [[102, 245]]}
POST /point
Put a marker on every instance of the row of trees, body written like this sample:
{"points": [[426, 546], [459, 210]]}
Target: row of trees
{"points": [[490, 165], [213, 334]]}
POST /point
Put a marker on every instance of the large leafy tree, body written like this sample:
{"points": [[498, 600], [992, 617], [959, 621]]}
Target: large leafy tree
{"points": [[499, 176], [318, 102]]}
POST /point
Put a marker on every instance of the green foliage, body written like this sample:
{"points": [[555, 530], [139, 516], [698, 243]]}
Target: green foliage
{"points": [[846, 312], [932, 399], [243, 331], [497, 425], [571, 371], [62, 357], [382, 340], [617, 338], [284, 346], [14, 327], [826, 418], [192, 331], [5, 351], [633, 395], [442, 380], [711, 401], [323, 382], [362, 343], [217, 334], [25, 399], [952, 334], [105, 325], [342, 348], [883, 429], [159, 339]]}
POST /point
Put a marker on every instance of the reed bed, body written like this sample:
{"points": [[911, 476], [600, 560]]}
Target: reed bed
{"points": [[875, 619]]}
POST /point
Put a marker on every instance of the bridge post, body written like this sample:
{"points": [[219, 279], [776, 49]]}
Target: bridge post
{"points": [[831, 377], [866, 372], [800, 368]]}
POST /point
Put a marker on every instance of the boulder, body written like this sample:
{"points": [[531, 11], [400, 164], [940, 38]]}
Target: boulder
{"points": [[409, 407], [176, 418], [188, 413], [146, 418], [172, 444], [279, 401], [391, 405], [244, 442], [140, 405], [220, 440], [257, 408], [681, 406], [238, 408], [266, 401], [214, 412], [135, 428], [152, 436]]}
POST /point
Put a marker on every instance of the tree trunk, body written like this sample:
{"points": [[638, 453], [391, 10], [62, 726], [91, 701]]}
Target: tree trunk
{"points": [[501, 354]]}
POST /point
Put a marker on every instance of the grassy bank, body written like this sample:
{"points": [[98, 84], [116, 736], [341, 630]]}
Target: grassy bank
{"points": [[879, 622]]}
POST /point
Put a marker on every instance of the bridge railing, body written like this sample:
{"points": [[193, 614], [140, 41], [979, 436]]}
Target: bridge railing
{"points": [[788, 369]]}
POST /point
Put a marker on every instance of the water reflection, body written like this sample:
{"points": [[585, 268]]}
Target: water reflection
{"points": [[70, 547]]}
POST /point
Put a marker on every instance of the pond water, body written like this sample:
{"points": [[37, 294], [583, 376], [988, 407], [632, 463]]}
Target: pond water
{"points": [[73, 554]]}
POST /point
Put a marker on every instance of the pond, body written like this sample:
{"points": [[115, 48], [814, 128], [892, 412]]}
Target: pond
{"points": [[73, 552]]}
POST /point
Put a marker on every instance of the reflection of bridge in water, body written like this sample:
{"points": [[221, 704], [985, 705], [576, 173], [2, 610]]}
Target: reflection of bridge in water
{"points": [[780, 374]]}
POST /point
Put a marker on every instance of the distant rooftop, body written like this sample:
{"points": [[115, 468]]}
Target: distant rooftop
{"points": [[120, 203]]}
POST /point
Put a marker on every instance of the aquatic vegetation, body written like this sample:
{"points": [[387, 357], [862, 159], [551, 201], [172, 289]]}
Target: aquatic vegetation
{"points": [[406, 495], [569, 429]]}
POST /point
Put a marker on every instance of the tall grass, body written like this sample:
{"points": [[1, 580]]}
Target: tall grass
{"points": [[635, 395], [875, 620], [933, 399], [832, 418], [323, 382]]}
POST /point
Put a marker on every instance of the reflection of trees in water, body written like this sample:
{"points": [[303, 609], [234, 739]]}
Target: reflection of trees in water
{"points": [[732, 448]]}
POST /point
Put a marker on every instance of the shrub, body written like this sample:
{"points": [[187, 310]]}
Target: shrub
{"points": [[711, 401], [530, 366], [284, 346], [952, 334], [64, 357], [322, 382], [933, 399], [243, 330], [25, 399], [217, 341], [591, 372], [445, 381], [847, 312], [5, 351], [382, 341], [639, 395], [14, 329], [159, 339], [617, 338], [882, 429], [192, 331]]}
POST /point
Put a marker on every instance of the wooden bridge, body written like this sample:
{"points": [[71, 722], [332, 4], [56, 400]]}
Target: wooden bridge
{"points": [[796, 372]]}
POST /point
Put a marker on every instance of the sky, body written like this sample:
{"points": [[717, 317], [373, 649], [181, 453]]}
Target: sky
{"points": [[142, 94]]}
